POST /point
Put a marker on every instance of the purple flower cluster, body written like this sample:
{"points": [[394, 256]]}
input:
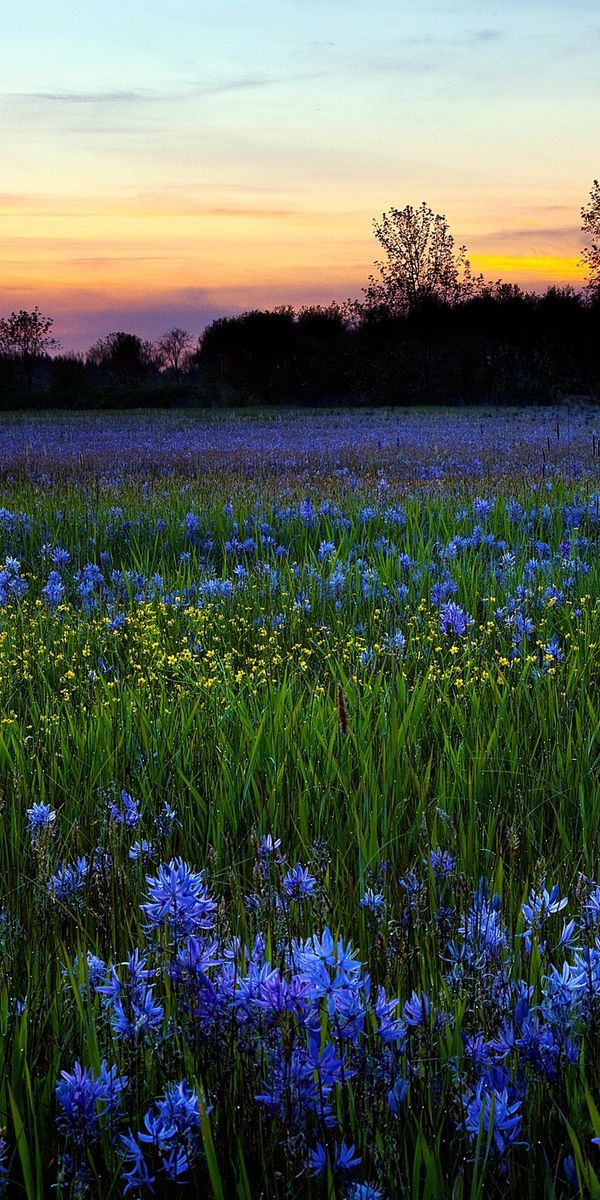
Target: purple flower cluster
{"points": [[125, 811], [308, 1022], [179, 901], [83, 1099]]}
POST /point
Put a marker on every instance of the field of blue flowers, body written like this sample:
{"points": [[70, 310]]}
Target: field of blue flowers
{"points": [[299, 786]]}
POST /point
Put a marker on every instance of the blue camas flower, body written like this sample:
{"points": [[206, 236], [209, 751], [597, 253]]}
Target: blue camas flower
{"points": [[40, 820], [343, 1160], [541, 905], [363, 1191], [133, 1011], [268, 847], [126, 812], [442, 863], [54, 590], [372, 901], [179, 900], [417, 1009], [136, 1176], [454, 619], [69, 883], [78, 1094], [298, 884], [394, 643], [3, 1166], [493, 1111]]}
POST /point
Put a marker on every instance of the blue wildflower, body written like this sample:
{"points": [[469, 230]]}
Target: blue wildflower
{"points": [[268, 847], [492, 1111], [40, 820], [483, 507], [90, 584], [166, 821], [570, 1170], [216, 589], [126, 812], [307, 512], [12, 585], [440, 591], [484, 936], [373, 901], [54, 590], [442, 863], [134, 1012], [394, 643], [344, 1159], [417, 1009], [137, 1177], [299, 883], [114, 1085], [454, 619], [78, 1095], [398, 1095], [179, 900], [552, 652], [140, 850], [96, 968], [363, 1191], [541, 905], [70, 881], [192, 526]]}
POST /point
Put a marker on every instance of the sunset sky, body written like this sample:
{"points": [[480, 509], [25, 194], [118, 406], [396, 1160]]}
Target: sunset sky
{"points": [[167, 161]]}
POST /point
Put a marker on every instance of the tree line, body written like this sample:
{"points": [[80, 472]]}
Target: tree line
{"points": [[426, 330]]}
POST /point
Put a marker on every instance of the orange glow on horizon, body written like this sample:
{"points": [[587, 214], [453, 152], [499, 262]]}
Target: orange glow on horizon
{"points": [[137, 254], [527, 269], [159, 255], [134, 267]]}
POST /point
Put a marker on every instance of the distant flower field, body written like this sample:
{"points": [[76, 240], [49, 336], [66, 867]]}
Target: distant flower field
{"points": [[299, 784], [299, 448]]}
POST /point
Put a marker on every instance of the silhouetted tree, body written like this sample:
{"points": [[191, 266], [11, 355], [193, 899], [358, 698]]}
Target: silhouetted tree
{"points": [[26, 337], [68, 380], [173, 350], [254, 352], [421, 264], [123, 357], [591, 226], [321, 358], [321, 322]]}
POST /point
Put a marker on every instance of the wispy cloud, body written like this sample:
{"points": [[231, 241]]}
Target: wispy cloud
{"points": [[195, 88], [91, 262], [486, 35], [244, 83], [125, 96], [555, 237]]}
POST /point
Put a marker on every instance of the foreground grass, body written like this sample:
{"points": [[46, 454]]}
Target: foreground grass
{"points": [[374, 680]]}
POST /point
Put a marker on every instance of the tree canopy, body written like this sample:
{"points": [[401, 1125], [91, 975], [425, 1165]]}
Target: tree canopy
{"points": [[421, 263], [590, 216], [26, 336]]}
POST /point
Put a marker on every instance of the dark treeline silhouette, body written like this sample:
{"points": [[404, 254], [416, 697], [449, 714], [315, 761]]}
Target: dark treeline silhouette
{"points": [[501, 346], [426, 332]]}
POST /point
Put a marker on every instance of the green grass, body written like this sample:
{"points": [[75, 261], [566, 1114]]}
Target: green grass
{"points": [[452, 744]]}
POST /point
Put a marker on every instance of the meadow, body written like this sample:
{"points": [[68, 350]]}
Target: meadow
{"points": [[299, 787]]}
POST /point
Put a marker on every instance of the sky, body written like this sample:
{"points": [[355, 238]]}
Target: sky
{"points": [[165, 162]]}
